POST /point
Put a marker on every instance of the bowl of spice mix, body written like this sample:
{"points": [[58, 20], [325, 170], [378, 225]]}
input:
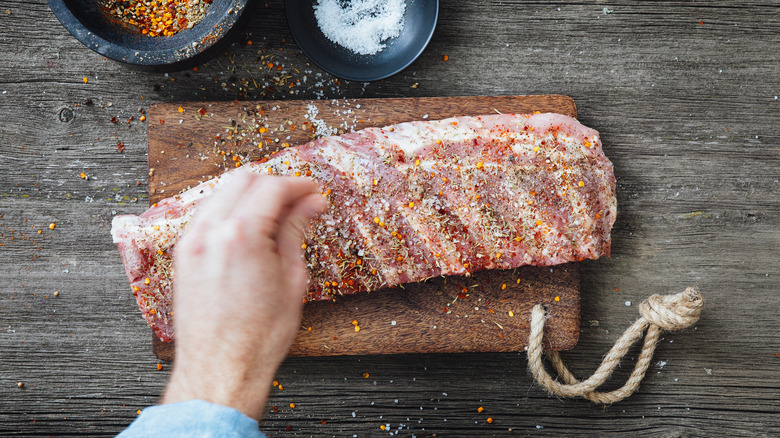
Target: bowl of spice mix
{"points": [[362, 40], [160, 35]]}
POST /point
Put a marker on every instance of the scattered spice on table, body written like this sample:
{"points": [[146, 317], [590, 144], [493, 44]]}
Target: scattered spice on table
{"points": [[159, 17]]}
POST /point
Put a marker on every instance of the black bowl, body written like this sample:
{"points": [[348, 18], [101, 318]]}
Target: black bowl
{"points": [[95, 28], [419, 23]]}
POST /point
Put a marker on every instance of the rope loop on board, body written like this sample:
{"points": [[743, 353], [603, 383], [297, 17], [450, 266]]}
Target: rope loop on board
{"points": [[658, 313]]}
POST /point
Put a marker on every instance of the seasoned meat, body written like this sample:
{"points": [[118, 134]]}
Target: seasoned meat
{"points": [[414, 201]]}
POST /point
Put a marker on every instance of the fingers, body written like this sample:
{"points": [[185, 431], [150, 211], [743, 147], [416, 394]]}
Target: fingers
{"points": [[212, 211], [267, 212], [269, 201], [290, 235], [225, 199]]}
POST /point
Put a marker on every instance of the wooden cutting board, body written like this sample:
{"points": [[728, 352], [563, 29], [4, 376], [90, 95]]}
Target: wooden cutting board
{"points": [[488, 311]]}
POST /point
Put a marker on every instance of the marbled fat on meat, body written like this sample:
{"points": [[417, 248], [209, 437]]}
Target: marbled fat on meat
{"points": [[413, 201]]}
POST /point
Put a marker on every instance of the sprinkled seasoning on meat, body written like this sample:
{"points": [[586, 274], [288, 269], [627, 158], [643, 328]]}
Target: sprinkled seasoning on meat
{"points": [[414, 201]]}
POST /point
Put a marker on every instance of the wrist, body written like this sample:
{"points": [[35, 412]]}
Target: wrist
{"points": [[243, 393]]}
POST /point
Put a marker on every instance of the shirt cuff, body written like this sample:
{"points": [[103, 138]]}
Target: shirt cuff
{"points": [[193, 418]]}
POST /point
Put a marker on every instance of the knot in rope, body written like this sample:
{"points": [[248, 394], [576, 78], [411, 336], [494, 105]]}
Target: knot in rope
{"points": [[659, 312], [673, 312]]}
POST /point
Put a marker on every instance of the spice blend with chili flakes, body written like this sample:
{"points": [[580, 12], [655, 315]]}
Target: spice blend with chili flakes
{"points": [[158, 17]]}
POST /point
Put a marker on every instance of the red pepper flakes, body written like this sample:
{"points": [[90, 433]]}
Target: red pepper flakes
{"points": [[158, 18]]}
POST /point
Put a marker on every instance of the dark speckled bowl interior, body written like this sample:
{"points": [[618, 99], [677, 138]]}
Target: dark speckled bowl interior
{"points": [[420, 19], [94, 27]]}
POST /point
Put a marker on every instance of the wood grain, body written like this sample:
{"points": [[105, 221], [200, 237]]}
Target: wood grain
{"points": [[683, 94], [430, 317], [186, 145], [186, 140]]}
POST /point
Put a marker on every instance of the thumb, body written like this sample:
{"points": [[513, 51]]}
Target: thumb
{"points": [[290, 237]]}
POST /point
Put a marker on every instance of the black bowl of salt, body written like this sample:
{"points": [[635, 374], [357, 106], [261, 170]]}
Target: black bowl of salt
{"points": [[362, 40]]}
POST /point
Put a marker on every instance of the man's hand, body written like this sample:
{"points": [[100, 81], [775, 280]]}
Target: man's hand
{"points": [[240, 282]]}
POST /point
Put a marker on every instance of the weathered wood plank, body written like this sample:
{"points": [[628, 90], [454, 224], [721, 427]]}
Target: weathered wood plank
{"points": [[660, 87]]}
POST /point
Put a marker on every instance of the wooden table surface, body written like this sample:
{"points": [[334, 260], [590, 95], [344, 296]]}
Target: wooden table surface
{"points": [[685, 95]]}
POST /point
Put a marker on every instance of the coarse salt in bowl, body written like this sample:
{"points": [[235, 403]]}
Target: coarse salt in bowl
{"points": [[361, 26], [362, 40]]}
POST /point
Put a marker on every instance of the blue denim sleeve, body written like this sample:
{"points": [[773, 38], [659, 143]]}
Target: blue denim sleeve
{"points": [[194, 418]]}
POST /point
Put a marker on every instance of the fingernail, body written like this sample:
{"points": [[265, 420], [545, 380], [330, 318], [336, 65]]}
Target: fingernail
{"points": [[315, 205]]}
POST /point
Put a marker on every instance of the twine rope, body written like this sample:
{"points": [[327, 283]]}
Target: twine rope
{"points": [[658, 313]]}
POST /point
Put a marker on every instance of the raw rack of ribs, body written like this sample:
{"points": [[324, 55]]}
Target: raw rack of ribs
{"points": [[413, 201]]}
